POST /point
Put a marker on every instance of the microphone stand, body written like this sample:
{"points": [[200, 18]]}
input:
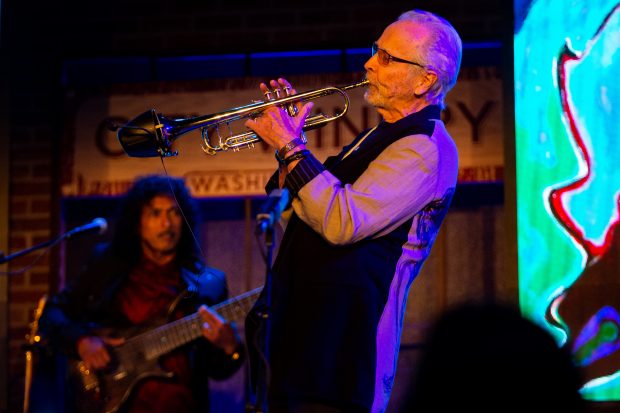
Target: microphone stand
{"points": [[262, 381], [7, 258], [67, 235], [266, 220]]}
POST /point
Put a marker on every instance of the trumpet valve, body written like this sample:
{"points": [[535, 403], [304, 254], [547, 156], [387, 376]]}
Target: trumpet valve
{"points": [[291, 109]]}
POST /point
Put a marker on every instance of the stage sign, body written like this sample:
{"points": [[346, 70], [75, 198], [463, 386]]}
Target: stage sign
{"points": [[567, 97], [95, 164]]}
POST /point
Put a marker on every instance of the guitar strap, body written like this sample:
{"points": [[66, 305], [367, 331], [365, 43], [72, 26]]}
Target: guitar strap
{"points": [[173, 305]]}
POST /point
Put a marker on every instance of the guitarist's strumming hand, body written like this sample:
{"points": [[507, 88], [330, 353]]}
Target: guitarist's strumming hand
{"points": [[217, 331], [92, 350]]}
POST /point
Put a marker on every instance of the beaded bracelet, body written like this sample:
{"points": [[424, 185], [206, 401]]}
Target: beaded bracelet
{"points": [[297, 155]]}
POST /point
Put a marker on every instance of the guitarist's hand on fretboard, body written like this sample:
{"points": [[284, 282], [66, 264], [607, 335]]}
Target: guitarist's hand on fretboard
{"points": [[218, 331], [93, 352]]}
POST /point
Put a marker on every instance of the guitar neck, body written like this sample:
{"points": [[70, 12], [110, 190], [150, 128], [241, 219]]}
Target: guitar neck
{"points": [[166, 338], [237, 308]]}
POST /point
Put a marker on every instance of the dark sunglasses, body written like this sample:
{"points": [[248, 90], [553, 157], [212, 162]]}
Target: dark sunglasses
{"points": [[384, 57]]}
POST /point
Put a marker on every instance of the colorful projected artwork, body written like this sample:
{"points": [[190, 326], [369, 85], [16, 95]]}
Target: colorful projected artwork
{"points": [[567, 112]]}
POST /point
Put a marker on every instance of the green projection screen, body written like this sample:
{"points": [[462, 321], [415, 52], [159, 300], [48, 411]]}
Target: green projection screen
{"points": [[567, 131]]}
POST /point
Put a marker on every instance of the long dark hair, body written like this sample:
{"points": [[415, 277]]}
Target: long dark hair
{"points": [[126, 241]]}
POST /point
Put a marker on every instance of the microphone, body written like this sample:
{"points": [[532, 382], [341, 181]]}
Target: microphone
{"points": [[97, 224], [270, 212]]}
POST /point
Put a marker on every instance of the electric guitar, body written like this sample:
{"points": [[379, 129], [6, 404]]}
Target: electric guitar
{"points": [[105, 391]]}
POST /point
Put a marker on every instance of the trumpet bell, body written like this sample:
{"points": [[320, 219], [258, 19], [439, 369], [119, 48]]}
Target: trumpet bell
{"points": [[142, 137]]}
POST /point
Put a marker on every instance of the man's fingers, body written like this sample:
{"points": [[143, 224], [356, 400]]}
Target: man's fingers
{"points": [[209, 316], [287, 86], [113, 341], [266, 91], [280, 86], [102, 359], [306, 109], [97, 360]]}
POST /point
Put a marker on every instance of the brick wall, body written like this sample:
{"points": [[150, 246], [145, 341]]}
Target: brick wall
{"points": [[33, 209], [38, 35]]}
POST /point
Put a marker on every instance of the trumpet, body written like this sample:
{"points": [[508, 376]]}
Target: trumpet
{"points": [[151, 134]]}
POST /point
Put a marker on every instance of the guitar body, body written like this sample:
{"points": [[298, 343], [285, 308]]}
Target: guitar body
{"points": [[105, 391]]}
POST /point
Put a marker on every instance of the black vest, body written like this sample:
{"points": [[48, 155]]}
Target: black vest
{"points": [[327, 300]]}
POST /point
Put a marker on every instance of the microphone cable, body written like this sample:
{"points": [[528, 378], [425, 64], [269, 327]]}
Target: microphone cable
{"points": [[191, 230]]}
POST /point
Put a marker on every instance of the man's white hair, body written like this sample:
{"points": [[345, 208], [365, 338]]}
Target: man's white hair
{"points": [[441, 53]]}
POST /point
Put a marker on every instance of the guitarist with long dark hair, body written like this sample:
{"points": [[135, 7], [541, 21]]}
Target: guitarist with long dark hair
{"points": [[116, 319]]}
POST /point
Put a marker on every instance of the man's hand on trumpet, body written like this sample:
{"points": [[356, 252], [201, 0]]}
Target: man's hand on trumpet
{"points": [[276, 127]]}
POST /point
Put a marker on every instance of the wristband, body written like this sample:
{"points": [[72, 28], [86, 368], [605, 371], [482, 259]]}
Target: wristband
{"points": [[281, 153], [296, 156]]}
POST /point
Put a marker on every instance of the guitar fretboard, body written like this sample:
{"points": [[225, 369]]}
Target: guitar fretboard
{"points": [[166, 338], [236, 308]]}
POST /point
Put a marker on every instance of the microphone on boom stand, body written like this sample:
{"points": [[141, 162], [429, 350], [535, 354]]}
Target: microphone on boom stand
{"points": [[98, 224]]}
